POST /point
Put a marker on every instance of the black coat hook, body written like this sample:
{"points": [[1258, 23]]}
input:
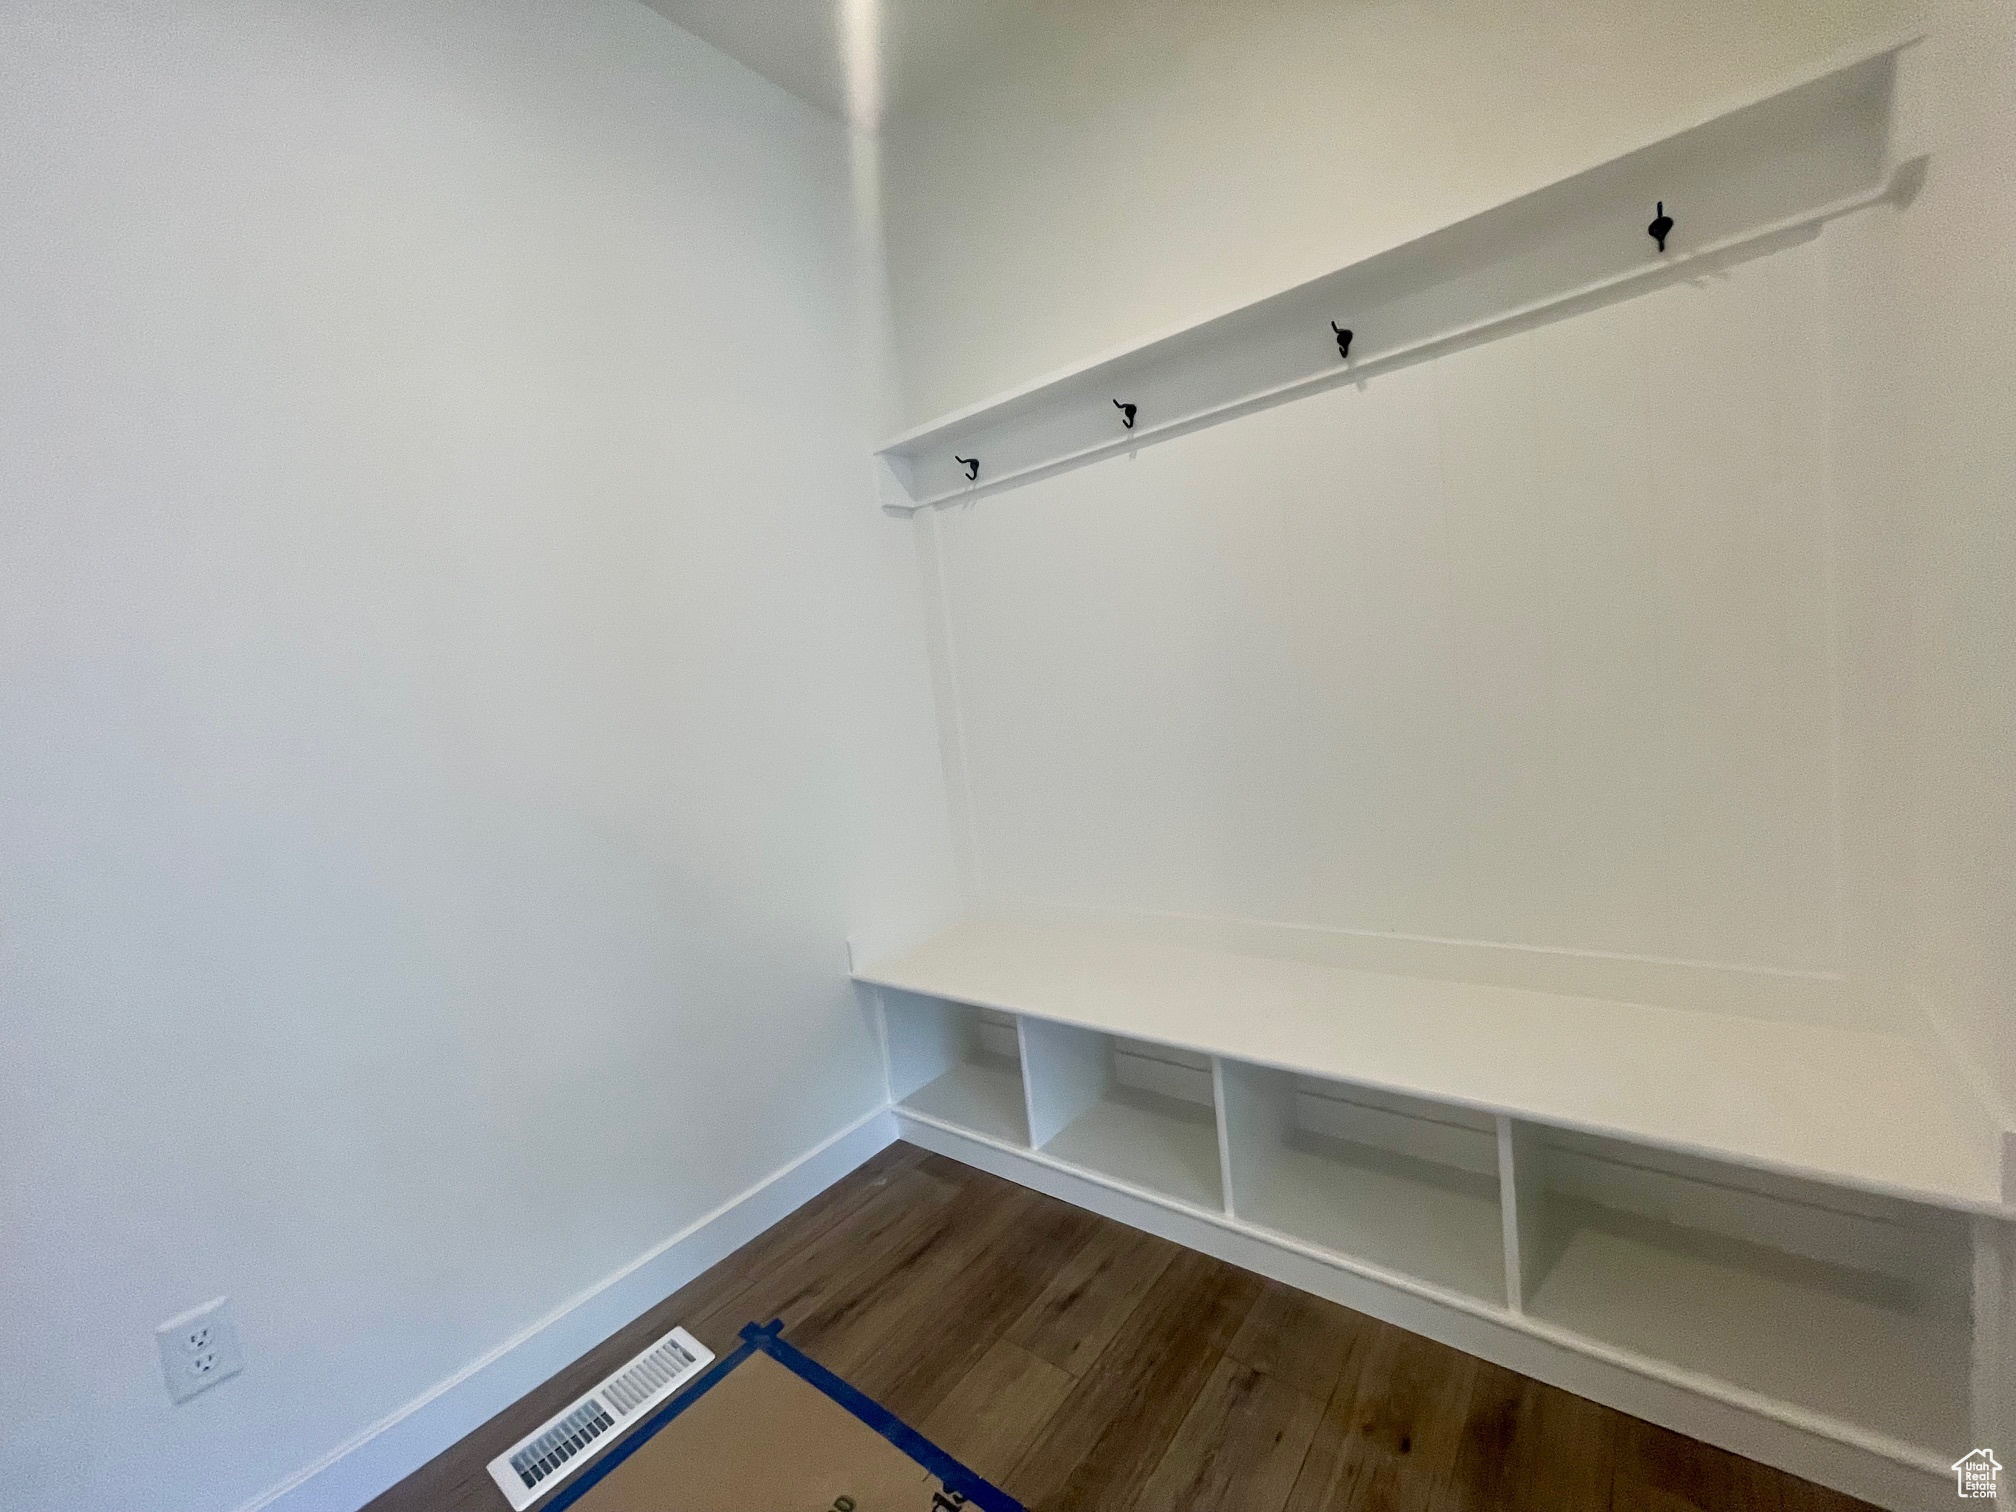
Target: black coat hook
{"points": [[1126, 413], [1343, 339], [971, 464], [1662, 223]]}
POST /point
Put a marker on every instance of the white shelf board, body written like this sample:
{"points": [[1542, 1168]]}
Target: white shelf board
{"points": [[982, 1095], [1899, 1374], [1444, 1227], [1851, 1108], [1144, 1140], [1742, 179]]}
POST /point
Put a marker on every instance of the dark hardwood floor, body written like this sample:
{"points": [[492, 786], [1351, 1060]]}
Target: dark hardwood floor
{"points": [[1082, 1365]]}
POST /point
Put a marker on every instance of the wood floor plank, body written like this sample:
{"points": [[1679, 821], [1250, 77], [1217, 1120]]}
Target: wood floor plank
{"points": [[1526, 1447], [814, 1224], [846, 1331], [1568, 1452], [1658, 1470], [1091, 1296], [985, 1300], [829, 1265], [1390, 1434], [946, 1169], [1239, 1449], [1803, 1496], [1083, 1365], [982, 1277], [1107, 1437], [1484, 1475], [989, 1419], [1301, 1340]]}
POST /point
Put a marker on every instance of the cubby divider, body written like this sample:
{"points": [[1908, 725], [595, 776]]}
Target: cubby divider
{"points": [[1521, 1178]]}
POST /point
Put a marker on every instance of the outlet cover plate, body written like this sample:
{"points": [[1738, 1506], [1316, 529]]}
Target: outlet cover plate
{"points": [[199, 1348]]}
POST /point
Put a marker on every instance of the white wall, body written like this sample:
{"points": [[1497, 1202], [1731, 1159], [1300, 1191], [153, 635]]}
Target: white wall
{"points": [[1301, 671], [456, 696], [1529, 646], [1950, 393]]}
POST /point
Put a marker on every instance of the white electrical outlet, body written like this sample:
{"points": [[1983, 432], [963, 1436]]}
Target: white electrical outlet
{"points": [[199, 1349]]}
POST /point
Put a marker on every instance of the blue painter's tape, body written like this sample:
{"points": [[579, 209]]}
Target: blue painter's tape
{"points": [[978, 1493], [769, 1339]]}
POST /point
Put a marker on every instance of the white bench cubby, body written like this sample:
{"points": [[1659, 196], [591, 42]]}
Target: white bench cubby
{"points": [[957, 1064], [1835, 1302], [1394, 1182], [1844, 1318], [1101, 1105]]}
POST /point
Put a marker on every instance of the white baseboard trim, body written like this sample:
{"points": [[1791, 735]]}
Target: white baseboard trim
{"points": [[1715, 1419], [396, 1445]]}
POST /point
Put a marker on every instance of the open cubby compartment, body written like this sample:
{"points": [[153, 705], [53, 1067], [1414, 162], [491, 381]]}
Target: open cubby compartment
{"points": [[956, 1064], [1138, 1114], [1846, 1304], [1391, 1181]]}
